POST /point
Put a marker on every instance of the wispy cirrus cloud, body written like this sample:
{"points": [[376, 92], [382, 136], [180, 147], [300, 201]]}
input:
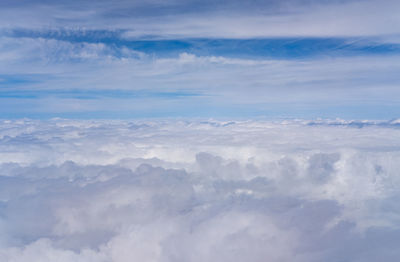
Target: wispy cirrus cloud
{"points": [[232, 19], [275, 58], [50, 75]]}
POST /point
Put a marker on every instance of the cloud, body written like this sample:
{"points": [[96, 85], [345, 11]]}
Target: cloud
{"points": [[198, 190], [71, 72], [189, 59], [50, 77], [227, 19]]}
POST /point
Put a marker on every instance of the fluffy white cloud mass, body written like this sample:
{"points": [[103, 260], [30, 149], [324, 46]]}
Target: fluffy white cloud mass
{"points": [[117, 191]]}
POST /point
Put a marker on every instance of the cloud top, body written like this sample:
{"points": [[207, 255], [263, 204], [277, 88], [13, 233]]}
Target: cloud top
{"points": [[198, 191]]}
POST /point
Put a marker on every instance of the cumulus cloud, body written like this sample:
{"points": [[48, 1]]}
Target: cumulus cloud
{"points": [[198, 190]]}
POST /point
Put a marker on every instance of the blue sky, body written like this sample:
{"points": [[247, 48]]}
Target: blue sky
{"points": [[225, 59]]}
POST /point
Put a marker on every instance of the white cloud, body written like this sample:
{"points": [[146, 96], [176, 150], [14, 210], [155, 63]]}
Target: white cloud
{"points": [[198, 190], [261, 85], [233, 19]]}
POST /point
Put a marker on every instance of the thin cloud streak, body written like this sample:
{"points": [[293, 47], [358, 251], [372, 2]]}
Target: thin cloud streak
{"points": [[177, 19], [56, 72], [250, 57]]}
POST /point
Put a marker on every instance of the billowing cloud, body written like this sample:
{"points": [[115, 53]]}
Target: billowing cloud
{"points": [[199, 190]]}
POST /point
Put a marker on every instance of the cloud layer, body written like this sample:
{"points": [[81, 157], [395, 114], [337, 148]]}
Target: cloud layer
{"points": [[48, 77], [199, 191], [128, 59], [227, 19]]}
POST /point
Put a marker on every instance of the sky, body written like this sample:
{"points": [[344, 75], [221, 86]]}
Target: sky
{"points": [[199, 59], [171, 130]]}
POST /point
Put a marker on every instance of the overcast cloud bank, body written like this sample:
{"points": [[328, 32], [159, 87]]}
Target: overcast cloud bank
{"points": [[199, 190]]}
